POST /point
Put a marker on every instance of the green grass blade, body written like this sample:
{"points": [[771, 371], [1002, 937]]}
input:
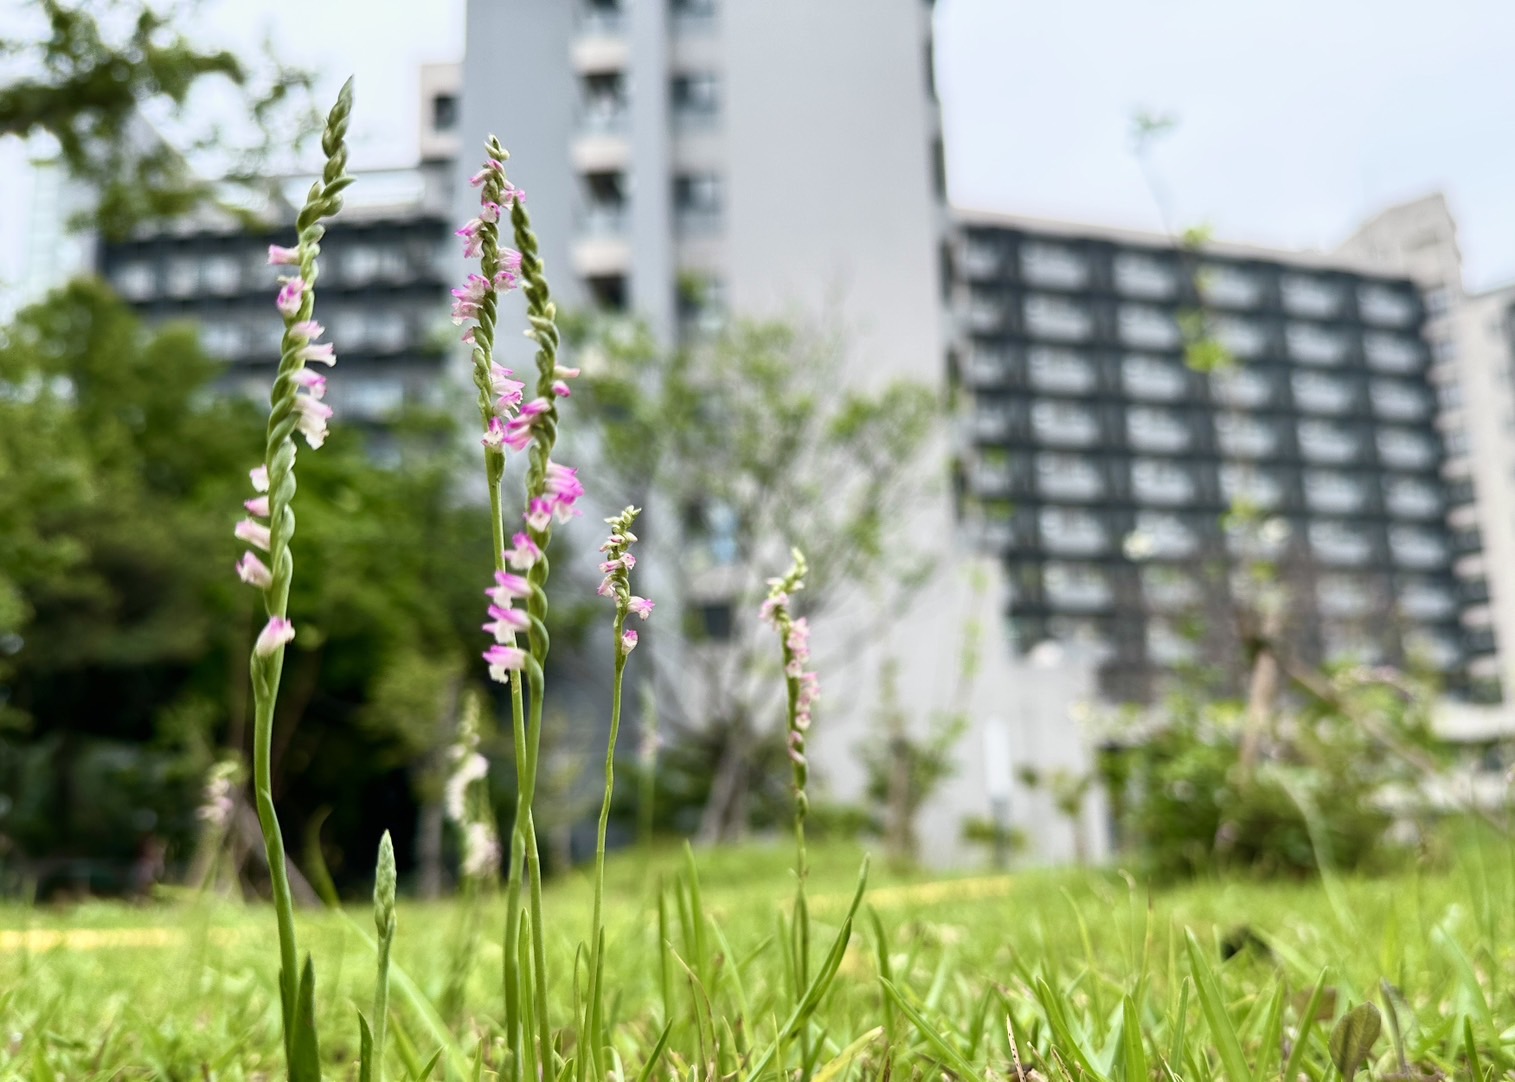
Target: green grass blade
{"points": [[1133, 1051], [1222, 1032], [950, 1056], [645, 1074], [840, 1062], [1306, 1025]]}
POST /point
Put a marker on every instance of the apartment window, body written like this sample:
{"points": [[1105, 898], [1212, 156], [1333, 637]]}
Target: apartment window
{"points": [[608, 291], [1310, 343], [1339, 543], [1076, 586], [692, 11], [1385, 305], [604, 106], [136, 280], [1166, 645], [372, 398], [697, 201], [1335, 492], [1147, 327], [1449, 395], [1166, 536], [1438, 301], [183, 276], [387, 328], [1062, 370], [986, 364], [1422, 599], [991, 420], [1241, 388], [1346, 642], [444, 112], [1307, 295], [359, 264], [1318, 393], [695, 97], [349, 327], [1343, 595], [1438, 650], [1067, 529], [1326, 442], [1169, 588], [701, 303], [1064, 423], [1243, 337], [601, 16], [1398, 401], [1412, 498], [1057, 317], [604, 203], [1068, 477], [1054, 265], [1151, 429], [1415, 546], [1444, 348], [1151, 377], [1140, 275], [1405, 449], [1228, 285], [982, 256], [1392, 352], [221, 273], [1246, 437], [1250, 485], [1161, 480], [223, 337]]}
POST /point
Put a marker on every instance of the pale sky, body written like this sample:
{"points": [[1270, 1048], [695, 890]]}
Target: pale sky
{"points": [[1296, 118]]}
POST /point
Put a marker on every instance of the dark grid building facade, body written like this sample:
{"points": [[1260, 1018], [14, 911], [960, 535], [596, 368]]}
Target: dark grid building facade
{"points": [[384, 281], [1101, 467]]}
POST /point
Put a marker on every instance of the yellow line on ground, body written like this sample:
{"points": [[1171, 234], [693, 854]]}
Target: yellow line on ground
{"points": [[89, 939]]}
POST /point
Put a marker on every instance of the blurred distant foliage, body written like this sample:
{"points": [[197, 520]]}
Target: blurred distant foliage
{"points": [[122, 472], [740, 444], [101, 78]]}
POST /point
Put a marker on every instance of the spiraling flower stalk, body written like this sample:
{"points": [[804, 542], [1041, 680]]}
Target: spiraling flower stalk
{"points": [[295, 406], [617, 585], [803, 688], [551, 492]]}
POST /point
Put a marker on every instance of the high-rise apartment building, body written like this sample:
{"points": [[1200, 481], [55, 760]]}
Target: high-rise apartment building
{"points": [[1101, 467]]}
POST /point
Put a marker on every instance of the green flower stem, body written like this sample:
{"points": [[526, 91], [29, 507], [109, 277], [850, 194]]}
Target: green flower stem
{"points": [[324, 200], [384, 923]]}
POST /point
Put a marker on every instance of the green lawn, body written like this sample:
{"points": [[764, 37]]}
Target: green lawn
{"points": [[1080, 962]]}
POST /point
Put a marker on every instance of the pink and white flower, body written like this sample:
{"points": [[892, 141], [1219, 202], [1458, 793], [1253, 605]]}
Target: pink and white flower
{"points": [[291, 296], [275, 634], [254, 533], [254, 571], [503, 660], [278, 256]]}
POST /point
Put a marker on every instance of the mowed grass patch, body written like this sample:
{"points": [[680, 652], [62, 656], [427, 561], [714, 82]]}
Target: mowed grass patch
{"points": [[1093, 969]]}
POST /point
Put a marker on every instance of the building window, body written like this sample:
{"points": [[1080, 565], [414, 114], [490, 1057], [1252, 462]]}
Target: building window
{"points": [[1062, 370], [1317, 393], [697, 202], [716, 621], [1064, 423], [1231, 286], [1385, 305], [1053, 265], [1250, 485], [1166, 645], [221, 274], [1398, 401], [1420, 599], [1245, 437], [359, 264], [1438, 301], [444, 112], [604, 106], [1405, 449], [1335, 492], [1066, 529], [695, 98], [608, 291], [1140, 275], [136, 280], [982, 256], [372, 399], [701, 303], [1310, 343], [1148, 328], [183, 276], [1449, 395], [1416, 547], [1076, 586], [1343, 595], [387, 330], [1339, 543], [1444, 348], [1161, 480], [1411, 498], [991, 420], [1326, 442], [1068, 477], [1306, 295], [604, 203], [1057, 317], [1165, 536], [1151, 377], [1169, 588], [691, 12], [601, 16], [1241, 388], [223, 338], [1151, 429], [1392, 352]]}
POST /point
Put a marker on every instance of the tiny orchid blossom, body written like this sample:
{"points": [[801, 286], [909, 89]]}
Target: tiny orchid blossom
{"points": [[617, 572]]}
